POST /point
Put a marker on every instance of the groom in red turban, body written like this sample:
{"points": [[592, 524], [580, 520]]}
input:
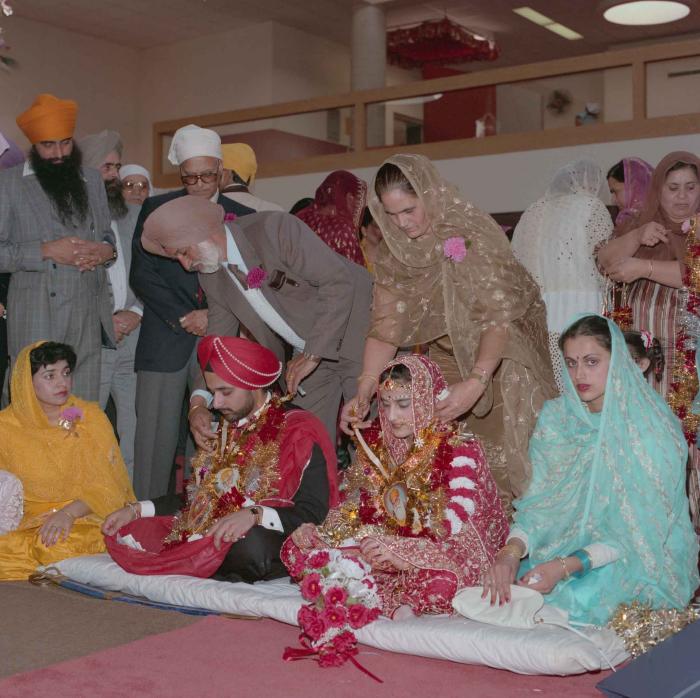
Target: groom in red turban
{"points": [[272, 467]]}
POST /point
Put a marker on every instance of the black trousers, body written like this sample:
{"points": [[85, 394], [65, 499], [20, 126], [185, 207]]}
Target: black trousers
{"points": [[254, 558]]}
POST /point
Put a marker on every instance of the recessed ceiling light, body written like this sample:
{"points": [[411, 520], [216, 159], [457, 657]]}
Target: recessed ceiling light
{"points": [[645, 12], [547, 23]]}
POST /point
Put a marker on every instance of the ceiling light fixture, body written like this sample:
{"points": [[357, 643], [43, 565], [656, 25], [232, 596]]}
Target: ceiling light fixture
{"points": [[645, 12], [547, 23]]}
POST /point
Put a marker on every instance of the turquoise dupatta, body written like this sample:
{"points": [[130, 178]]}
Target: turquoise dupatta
{"points": [[616, 477]]}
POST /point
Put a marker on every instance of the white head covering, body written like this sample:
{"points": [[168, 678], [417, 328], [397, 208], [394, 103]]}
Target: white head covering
{"points": [[555, 241], [127, 170], [192, 141], [582, 176]]}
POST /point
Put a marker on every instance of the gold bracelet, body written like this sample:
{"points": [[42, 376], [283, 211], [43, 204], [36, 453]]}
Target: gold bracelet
{"points": [[480, 370], [483, 379], [651, 269], [511, 550], [134, 506], [68, 514], [367, 375], [195, 407], [567, 574]]}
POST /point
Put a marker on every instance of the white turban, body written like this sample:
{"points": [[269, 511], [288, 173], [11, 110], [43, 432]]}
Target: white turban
{"points": [[191, 142], [128, 170]]}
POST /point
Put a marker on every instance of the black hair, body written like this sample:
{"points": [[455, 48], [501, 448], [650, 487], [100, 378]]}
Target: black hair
{"points": [[389, 177], [589, 326], [654, 353], [366, 218], [680, 165], [51, 352], [301, 205], [617, 171], [400, 373]]}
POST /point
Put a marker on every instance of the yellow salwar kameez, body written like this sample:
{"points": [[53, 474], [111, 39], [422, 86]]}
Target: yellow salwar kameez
{"points": [[57, 466]]}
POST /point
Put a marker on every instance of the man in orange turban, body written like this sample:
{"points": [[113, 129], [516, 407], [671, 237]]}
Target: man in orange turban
{"points": [[55, 223], [240, 166], [270, 468]]}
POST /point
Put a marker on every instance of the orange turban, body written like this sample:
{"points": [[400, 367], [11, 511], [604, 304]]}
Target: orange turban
{"points": [[48, 119], [240, 158], [239, 361]]}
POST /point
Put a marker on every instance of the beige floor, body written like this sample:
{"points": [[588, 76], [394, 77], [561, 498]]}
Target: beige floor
{"points": [[42, 625]]}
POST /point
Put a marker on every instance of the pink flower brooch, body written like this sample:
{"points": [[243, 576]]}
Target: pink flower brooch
{"points": [[69, 418], [455, 248]]}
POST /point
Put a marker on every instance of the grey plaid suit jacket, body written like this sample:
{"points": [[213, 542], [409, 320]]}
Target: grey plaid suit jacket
{"points": [[48, 300]]}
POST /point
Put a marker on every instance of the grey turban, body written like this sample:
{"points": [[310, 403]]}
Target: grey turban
{"points": [[98, 145]]}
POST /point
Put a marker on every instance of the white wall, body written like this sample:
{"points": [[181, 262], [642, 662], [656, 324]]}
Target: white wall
{"points": [[221, 72], [499, 183], [668, 96], [102, 77]]}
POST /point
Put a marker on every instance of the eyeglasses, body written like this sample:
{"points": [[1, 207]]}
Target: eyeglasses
{"points": [[136, 185], [205, 177]]}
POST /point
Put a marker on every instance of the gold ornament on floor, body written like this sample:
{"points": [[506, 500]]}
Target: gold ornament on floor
{"points": [[640, 627]]}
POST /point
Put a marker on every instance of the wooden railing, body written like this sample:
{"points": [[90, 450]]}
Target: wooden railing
{"points": [[639, 126]]}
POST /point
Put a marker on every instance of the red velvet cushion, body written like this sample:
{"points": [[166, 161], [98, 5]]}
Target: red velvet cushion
{"points": [[197, 559]]}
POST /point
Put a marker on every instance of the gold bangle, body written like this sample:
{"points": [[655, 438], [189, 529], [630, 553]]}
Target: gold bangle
{"points": [[567, 574], [195, 407], [511, 550], [367, 375], [134, 506], [483, 379], [68, 514], [480, 370]]}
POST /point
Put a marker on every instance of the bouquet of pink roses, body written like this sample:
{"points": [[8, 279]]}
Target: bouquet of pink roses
{"points": [[342, 596]]}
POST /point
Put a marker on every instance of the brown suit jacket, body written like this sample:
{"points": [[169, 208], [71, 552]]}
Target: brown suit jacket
{"points": [[322, 296]]}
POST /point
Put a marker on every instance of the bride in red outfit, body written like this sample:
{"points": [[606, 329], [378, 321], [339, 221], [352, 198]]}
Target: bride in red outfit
{"points": [[420, 504]]}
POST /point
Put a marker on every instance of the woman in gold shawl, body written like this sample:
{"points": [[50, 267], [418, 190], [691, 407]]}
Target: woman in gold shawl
{"points": [[445, 277], [63, 451]]}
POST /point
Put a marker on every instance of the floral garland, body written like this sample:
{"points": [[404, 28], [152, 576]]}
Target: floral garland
{"points": [[684, 381], [244, 466], [342, 597], [424, 476]]}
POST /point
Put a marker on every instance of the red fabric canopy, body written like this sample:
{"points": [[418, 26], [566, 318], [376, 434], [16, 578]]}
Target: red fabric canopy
{"points": [[439, 42]]}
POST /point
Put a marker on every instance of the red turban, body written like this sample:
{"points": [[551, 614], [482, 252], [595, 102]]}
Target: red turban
{"points": [[239, 362]]}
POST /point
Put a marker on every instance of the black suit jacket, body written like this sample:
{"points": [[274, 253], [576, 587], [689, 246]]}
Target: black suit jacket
{"points": [[168, 292]]}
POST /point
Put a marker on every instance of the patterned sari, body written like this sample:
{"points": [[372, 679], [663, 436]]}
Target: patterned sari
{"points": [[56, 467], [434, 504], [616, 477], [446, 289], [335, 218]]}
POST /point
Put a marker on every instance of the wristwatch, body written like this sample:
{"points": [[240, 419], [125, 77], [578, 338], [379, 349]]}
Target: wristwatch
{"points": [[257, 513], [113, 258]]}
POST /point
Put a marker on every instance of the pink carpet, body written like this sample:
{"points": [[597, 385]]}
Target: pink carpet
{"points": [[222, 657]]}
